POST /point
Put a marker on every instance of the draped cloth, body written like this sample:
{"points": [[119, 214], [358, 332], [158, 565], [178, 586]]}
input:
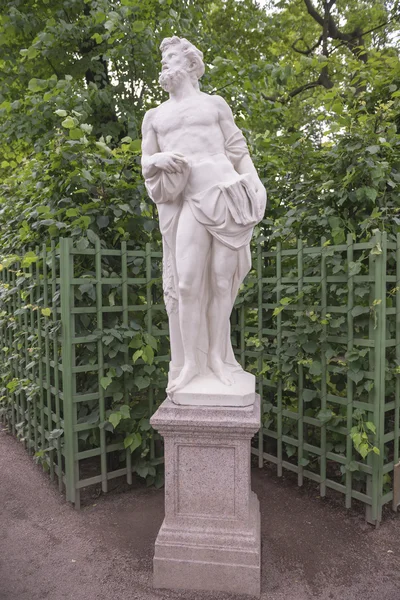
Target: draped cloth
{"points": [[225, 203]]}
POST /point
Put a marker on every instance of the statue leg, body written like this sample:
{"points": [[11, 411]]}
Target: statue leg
{"points": [[193, 244], [224, 262]]}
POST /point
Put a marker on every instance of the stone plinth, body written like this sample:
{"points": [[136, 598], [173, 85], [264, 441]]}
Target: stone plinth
{"points": [[210, 537], [208, 390]]}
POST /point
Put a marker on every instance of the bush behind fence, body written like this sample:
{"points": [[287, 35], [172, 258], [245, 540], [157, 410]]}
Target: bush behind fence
{"points": [[84, 361]]}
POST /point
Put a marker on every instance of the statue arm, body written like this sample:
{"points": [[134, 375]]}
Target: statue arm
{"points": [[149, 146], [152, 159], [242, 163]]}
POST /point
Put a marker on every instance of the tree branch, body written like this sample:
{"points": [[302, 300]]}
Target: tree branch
{"points": [[309, 50], [353, 41], [53, 67], [312, 11], [323, 80]]}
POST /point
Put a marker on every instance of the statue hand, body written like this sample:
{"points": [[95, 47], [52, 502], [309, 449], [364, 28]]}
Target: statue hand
{"points": [[260, 191], [170, 162]]}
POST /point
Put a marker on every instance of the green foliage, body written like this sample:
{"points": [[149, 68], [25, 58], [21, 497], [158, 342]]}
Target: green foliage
{"points": [[320, 109], [363, 434]]}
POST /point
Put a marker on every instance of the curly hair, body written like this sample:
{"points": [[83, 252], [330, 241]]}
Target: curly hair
{"points": [[192, 54]]}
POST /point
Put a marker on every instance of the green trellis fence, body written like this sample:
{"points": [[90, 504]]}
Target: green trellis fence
{"points": [[320, 326]]}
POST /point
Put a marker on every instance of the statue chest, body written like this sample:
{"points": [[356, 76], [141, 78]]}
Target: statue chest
{"points": [[190, 116]]}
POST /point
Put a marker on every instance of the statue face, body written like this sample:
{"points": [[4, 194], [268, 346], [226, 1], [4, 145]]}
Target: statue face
{"points": [[174, 68], [173, 59]]}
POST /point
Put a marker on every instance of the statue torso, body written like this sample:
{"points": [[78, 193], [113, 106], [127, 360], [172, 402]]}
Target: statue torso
{"points": [[190, 126]]}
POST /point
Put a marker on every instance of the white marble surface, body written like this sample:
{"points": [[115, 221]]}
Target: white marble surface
{"points": [[208, 390], [198, 171]]}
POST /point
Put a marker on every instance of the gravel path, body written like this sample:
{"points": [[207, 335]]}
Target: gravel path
{"points": [[312, 550]]}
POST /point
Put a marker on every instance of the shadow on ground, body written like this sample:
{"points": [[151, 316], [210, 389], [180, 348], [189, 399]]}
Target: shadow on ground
{"points": [[311, 550]]}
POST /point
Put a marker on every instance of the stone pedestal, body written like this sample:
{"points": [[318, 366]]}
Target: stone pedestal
{"points": [[210, 537]]}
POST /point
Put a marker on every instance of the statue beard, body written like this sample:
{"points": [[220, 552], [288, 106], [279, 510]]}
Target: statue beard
{"points": [[171, 78]]}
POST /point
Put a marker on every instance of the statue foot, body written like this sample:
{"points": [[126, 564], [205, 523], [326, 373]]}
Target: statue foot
{"points": [[221, 370], [189, 370]]}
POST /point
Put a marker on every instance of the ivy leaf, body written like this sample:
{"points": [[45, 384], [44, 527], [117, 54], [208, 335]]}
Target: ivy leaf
{"points": [[138, 26], [371, 426], [76, 133], [133, 441], [359, 310], [290, 450], [352, 466], [285, 301], [46, 312], [55, 434], [97, 38], [371, 193], [82, 243], [102, 221], [148, 354], [355, 376], [115, 418], [92, 236], [125, 411], [69, 122], [325, 415], [309, 347], [151, 340], [142, 382], [338, 235], [72, 212], [316, 368], [137, 355], [37, 85], [354, 268], [144, 424], [28, 259], [105, 382], [377, 249], [136, 342]]}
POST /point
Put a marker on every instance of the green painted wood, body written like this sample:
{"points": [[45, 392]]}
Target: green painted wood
{"points": [[59, 375], [55, 362], [9, 344], [39, 372], [66, 272], [324, 302], [350, 383], [149, 320], [100, 360], [397, 390], [260, 357], [45, 322], [36, 416], [278, 349], [17, 304], [300, 428], [381, 391], [13, 351], [125, 321]]}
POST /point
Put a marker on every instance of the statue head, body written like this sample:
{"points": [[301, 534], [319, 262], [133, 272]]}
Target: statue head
{"points": [[179, 58]]}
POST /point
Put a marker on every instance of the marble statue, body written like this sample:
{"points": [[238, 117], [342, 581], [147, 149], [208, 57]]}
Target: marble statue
{"points": [[198, 171]]}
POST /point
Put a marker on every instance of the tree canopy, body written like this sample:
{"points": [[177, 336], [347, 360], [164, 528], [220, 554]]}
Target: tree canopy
{"points": [[314, 84]]}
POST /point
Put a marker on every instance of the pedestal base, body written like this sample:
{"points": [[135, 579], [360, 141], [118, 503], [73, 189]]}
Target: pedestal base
{"points": [[208, 390], [210, 537]]}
